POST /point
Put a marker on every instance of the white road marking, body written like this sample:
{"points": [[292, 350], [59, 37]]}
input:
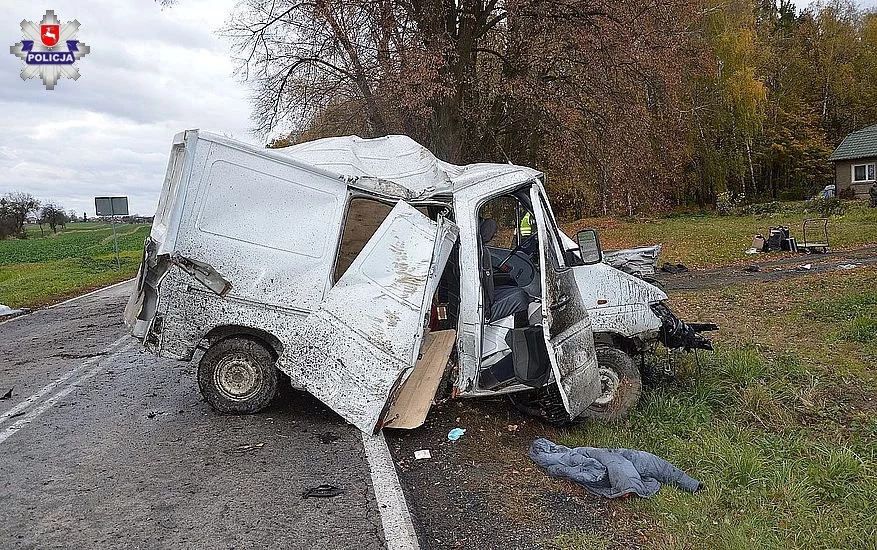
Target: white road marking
{"points": [[395, 518], [93, 292], [21, 407]]}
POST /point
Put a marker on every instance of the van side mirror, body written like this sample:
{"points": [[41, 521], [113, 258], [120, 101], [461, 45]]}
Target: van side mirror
{"points": [[589, 246]]}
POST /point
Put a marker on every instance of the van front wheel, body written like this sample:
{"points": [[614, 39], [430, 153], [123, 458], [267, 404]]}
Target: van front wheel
{"points": [[237, 376], [620, 382]]}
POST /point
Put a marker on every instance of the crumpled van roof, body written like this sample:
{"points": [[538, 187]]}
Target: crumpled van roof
{"points": [[398, 166]]}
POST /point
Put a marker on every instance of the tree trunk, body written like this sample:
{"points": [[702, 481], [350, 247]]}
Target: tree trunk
{"points": [[751, 168]]}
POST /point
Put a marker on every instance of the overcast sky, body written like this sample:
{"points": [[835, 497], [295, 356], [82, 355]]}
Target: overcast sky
{"points": [[150, 74]]}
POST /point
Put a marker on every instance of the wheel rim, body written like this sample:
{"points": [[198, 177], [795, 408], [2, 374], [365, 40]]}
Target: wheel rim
{"points": [[236, 377], [609, 383]]}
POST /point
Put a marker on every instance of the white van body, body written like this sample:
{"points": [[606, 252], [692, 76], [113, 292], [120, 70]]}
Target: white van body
{"points": [[245, 243]]}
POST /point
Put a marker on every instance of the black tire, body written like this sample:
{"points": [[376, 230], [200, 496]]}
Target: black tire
{"points": [[238, 376], [621, 384]]}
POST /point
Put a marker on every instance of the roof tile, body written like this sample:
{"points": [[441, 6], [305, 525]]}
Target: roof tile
{"points": [[859, 144]]}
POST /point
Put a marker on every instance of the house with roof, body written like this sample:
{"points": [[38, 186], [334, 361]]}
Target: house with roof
{"points": [[855, 161]]}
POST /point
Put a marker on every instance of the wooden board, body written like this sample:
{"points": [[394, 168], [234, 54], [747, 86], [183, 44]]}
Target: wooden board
{"points": [[413, 401]]}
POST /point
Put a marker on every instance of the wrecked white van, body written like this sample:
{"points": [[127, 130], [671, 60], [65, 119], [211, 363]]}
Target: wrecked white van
{"points": [[355, 267]]}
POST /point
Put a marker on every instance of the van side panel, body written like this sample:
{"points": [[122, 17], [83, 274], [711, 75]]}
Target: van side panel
{"points": [[187, 312], [269, 228]]}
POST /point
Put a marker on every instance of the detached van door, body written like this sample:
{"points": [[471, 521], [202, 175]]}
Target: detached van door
{"points": [[566, 326], [356, 350]]}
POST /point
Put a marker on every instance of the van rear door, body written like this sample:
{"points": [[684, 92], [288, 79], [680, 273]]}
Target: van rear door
{"points": [[361, 344], [141, 306], [566, 326]]}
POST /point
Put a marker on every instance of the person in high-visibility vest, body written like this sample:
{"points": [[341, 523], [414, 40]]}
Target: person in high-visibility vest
{"points": [[525, 228]]}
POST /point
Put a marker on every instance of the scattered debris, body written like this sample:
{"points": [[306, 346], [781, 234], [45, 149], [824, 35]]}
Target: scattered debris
{"points": [[7, 395], [677, 334], [456, 434], [322, 491], [512, 427], [422, 454], [754, 268], [241, 449], [805, 267], [847, 267], [6, 310], [611, 473], [778, 239], [757, 244], [673, 268]]}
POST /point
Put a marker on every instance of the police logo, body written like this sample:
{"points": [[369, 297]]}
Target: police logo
{"points": [[49, 50]]}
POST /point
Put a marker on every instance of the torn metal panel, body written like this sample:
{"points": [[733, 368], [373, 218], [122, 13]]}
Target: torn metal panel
{"points": [[203, 273], [143, 302], [365, 337], [399, 167], [636, 261]]}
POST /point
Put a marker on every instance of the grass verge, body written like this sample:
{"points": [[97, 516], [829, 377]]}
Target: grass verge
{"points": [[780, 423], [706, 240]]}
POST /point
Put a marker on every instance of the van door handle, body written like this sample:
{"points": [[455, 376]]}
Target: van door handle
{"points": [[560, 303]]}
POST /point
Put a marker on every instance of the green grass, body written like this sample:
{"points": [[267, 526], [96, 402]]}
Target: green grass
{"points": [[40, 270], [780, 423], [702, 240]]}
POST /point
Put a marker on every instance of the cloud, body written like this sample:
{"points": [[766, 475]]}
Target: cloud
{"points": [[150, 74]]}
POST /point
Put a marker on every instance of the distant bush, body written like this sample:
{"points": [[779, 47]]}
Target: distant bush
{"points": [[772, 207], [728, 204], [793, 194], [826, 208], [848, 194]]}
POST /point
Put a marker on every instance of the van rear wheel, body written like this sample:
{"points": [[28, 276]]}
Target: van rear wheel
{"points": [[621, 385], [238, 376]]}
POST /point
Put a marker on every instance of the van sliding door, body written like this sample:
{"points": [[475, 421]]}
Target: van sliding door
{"points": [[363, 341]]}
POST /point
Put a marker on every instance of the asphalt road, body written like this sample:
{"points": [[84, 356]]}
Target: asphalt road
{"points": [[103, 445]]}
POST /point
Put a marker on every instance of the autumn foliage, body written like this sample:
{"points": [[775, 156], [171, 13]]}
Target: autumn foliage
{"points": [[627, 105]]}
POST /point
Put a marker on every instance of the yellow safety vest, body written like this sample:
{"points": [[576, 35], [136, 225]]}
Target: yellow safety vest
{"points": [[525, 227]]}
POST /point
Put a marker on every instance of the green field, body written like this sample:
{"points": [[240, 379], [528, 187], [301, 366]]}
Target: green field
{"points": [[44, 269]]}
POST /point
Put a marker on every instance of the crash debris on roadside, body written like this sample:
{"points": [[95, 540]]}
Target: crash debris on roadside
{"points": [[611, 473]]}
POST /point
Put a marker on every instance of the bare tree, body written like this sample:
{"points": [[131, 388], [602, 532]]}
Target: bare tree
{"points": [[541, 82], [53, 215]]}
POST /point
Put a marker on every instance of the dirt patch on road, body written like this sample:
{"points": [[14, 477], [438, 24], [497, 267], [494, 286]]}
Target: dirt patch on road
{"points": [[483, 491], [768, 269]]}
